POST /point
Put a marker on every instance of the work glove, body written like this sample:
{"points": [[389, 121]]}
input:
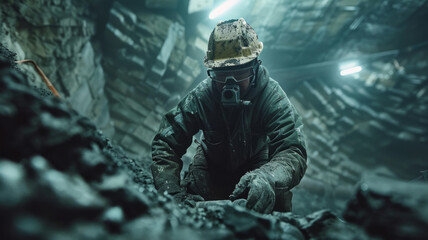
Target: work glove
{"points": [[187, 198], [261, 191]]}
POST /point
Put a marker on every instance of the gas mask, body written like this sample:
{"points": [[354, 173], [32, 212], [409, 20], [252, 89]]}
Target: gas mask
{"points": [[230, 93]]}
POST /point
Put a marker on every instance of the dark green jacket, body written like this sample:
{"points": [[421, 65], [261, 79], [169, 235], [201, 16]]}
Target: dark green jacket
{"points": [[267, 133]]}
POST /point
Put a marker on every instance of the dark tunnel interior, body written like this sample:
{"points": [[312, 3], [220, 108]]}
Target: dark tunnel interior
{"points": [[77, 166]]}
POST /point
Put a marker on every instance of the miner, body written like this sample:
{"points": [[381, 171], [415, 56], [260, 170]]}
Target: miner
{"points": [[252, 146]]}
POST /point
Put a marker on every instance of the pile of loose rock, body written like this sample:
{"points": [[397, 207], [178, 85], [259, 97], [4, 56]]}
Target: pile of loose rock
{"points": [[61, 178]]}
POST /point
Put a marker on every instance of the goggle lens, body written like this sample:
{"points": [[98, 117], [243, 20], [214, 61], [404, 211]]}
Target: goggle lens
{"points": [[238, 75]]}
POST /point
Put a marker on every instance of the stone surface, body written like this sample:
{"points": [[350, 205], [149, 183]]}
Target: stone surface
{"points": [[248, 225], [151, 52], [175, 31], [390, 208], [57, 36]]}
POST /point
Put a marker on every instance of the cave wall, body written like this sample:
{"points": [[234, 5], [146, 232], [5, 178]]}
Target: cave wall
{"points": [[373, 122], [57, 36], [123, 64], [149, 69]]}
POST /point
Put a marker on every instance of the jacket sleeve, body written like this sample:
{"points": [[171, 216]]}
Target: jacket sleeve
{"points": [[287, 150], [171, 142]]}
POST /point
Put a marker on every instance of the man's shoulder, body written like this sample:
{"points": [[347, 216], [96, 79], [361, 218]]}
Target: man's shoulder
{"points": [[272, 83], [198, 93], [273, 88], [202, 89], [204, 85]]}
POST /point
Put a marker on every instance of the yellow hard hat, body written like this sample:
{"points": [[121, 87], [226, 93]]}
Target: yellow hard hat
{"points": [[232, 43]]}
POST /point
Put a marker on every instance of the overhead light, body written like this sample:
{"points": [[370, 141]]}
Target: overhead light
{"points": [[352, 70], [350, 67], [222, 8]]}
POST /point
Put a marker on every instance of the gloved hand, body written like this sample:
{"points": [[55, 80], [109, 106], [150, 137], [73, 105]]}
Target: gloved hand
{"points": [[187, 198], [261, 191]]}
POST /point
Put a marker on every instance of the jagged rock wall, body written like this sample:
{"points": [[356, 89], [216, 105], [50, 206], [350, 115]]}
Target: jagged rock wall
{"points": [[141, 56], [148, 71], [303, 32], [373, 121], [370, 121], [57, 36]]}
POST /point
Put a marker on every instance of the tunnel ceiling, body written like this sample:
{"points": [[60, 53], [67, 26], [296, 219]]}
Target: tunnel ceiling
{"points": [[124, 63]]}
